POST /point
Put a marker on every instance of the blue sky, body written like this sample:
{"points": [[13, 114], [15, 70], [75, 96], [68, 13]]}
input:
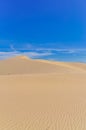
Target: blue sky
{"points": [[46, 29]]}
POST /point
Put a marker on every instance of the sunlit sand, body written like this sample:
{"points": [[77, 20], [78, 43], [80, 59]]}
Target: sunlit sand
{"points": [[42, 95]]}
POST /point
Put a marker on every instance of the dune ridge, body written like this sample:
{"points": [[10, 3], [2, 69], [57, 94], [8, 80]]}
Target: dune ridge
{"points": [[25, 65]]}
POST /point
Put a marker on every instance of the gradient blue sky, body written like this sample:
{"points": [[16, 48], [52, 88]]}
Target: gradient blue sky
{"points": [[47, 29]]}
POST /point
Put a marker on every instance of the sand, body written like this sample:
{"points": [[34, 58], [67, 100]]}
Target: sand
{"points": [[42, 95]]}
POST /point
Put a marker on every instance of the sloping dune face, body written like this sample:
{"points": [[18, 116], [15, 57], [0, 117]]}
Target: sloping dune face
{"points": [[23, 65], [42, 95]]}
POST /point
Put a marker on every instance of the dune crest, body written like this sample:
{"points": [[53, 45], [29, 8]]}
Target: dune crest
{"points": [[25, 65], [20, 57], [23, 57]]}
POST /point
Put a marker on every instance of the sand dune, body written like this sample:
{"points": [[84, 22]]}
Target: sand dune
{"points": [[42, 95], [23, 65]]}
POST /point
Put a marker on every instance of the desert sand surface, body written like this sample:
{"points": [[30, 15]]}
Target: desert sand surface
{"points": [[42, 95]]}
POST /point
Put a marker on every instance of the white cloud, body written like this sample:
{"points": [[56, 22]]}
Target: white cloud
{"points": [[4, 55], [12, 48], [37, 54], [34, 48], [62, 50], [29, 47]]}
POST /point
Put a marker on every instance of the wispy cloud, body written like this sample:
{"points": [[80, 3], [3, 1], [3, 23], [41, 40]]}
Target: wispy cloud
{"points": [[30, 47], [62, 50], [37, 54], [64, 54], [12, 46], [4, 55]]}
